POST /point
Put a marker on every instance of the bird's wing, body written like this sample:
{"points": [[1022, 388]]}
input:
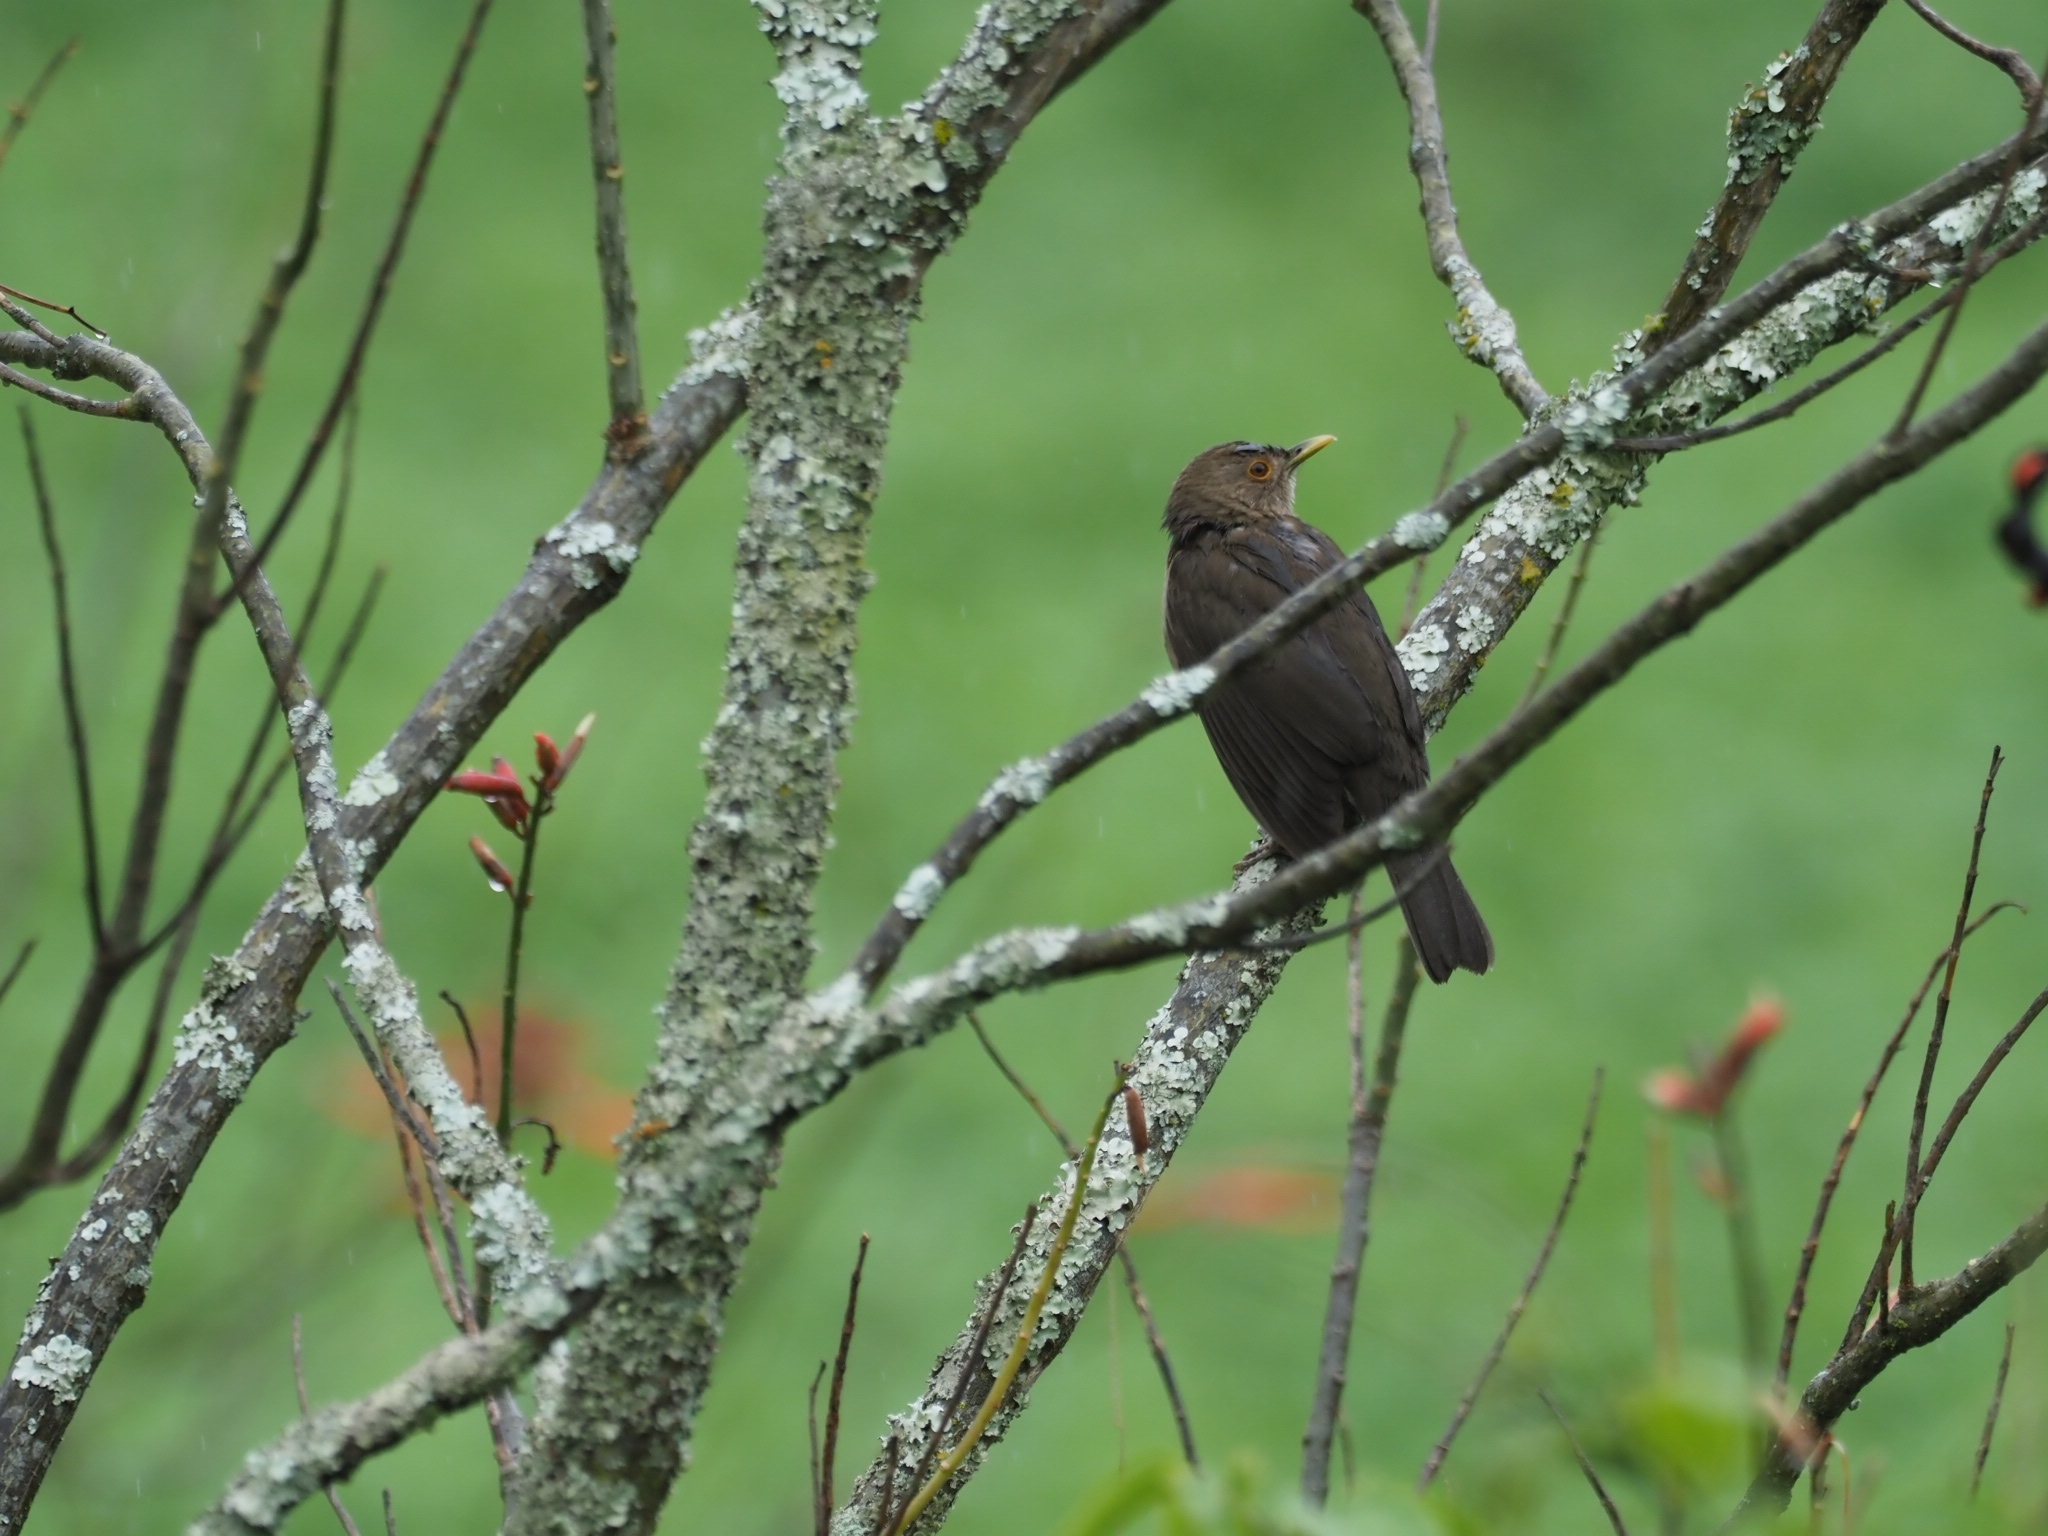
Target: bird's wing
{"points": [[1345, 663], [1255, 720]]}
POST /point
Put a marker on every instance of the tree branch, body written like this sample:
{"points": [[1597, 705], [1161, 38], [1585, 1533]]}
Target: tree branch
{"points": [[1919, 1319], [1766, 132], [1483, 327]]}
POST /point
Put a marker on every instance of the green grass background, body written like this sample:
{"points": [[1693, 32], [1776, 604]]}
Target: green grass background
{"points": [[1213, 236]]}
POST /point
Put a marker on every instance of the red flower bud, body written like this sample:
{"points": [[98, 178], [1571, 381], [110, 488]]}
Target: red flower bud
{"points": [[568, 755], [476, 781], [493, 867], [547, 756]]}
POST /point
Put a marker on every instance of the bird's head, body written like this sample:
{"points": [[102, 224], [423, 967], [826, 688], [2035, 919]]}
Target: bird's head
{"points": [[1237, 483]]}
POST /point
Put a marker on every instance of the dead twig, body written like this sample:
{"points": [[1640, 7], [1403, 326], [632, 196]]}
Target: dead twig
{"points": [[1369, 1106], [1442, 1449]]}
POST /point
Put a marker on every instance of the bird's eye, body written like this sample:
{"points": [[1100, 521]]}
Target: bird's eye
{"points": [[1260, 469]]}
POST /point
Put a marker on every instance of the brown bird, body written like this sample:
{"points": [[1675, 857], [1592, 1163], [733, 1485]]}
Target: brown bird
{"points": [[1323, 733]]}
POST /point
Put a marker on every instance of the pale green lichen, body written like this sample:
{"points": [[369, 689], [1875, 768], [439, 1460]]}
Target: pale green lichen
{"points": [[1173, 695], [59, 1365], [373, 782], [207, 1038]]}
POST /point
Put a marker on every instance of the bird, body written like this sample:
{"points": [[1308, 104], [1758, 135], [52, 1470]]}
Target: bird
{"points": [[1323, 733], [2016, 534]]}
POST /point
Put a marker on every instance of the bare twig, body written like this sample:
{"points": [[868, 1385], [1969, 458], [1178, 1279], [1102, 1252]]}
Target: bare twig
{"points": [[1991, 1415], [970, 1363], [1442, 1448], [1553, 643], [2010, 60], [821, 1509], [1920, 1318], [19, 114], [285, 272], [1742, 1241], [1586, 1466], [1369, 1106], [1459, 427], [1973, 268], [1915, 1173], [67, 678], [306, 1412], [626, 435], [1795, 1308], [1967, 1099], [1155, 1341], [1484, 329], [1006, 1378], [825, 1498], [373, 304]]}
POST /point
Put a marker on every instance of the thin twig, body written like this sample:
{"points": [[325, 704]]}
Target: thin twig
{"points": [[1369, 1106], [1585, 1465], [1412, 604], [626, 434], [1915, 1174], [1920, 1318], [1006, 1377], [476, 1060], [1155, 1341], [285, 272], [1554, 641], [20, 963], [1973, 268], [825, 1497], [306, 1413], [957, 1399], [1484, 328], [19, 114], [2010, 60], [821, 1507], [1967, 1099], [1795, 1308], [373, 304], [1991, 1415], [1442, 1449], [67, 676], [1742, 1241], [415, 1198]]}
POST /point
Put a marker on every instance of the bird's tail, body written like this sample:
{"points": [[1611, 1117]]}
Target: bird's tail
{"points": [[1443, 920]]}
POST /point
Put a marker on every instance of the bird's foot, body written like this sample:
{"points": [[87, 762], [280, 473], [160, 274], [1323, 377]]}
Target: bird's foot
{"points": [[1265, 848]]}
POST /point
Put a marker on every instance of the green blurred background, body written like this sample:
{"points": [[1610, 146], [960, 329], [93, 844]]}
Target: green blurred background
{"points": [[1213, 236]]}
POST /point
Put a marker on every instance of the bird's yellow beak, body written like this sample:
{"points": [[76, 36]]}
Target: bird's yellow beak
{"points": [[1302, 452]]}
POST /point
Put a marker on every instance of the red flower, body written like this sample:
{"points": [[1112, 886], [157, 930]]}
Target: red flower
{"points": [[1707, 1094]]}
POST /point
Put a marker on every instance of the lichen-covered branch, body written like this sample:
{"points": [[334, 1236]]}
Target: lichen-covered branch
{"points": [[245, 1008], [1185, 1048], [1483, 327], [325, 1448], [1725, 360], [1915, 1320], [860, 207], [1826, 295], [916, 1009], [1767, 130]]}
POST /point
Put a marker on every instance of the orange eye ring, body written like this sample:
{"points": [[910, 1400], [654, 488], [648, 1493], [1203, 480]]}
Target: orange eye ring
{"points": [[1260, 469]]}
